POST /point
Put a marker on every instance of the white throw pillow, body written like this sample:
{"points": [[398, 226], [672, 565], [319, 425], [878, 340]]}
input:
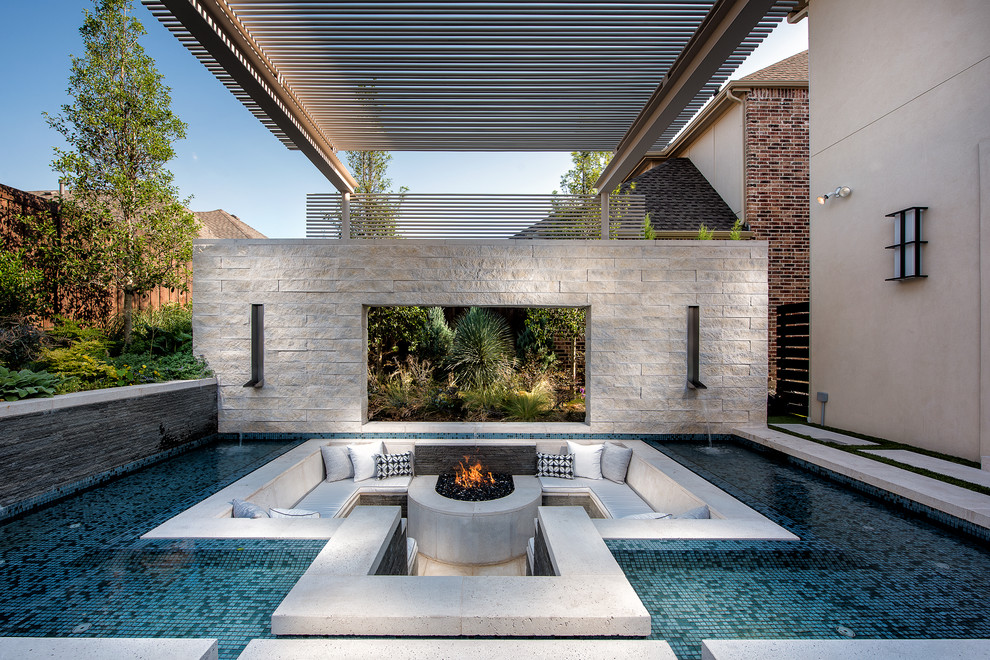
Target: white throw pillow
{"points": [[293, 513], [363, 459], [587, 459]]}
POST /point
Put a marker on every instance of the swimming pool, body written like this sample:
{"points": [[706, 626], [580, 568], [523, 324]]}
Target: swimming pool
{"points": [[78, 567]]}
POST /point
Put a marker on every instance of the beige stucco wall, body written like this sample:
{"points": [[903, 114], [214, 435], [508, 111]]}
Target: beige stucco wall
{"points": [[316, 293], [900, 100], [718, 154]]}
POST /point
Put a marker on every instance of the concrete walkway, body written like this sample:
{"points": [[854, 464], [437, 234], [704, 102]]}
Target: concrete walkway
{"points": [[958, 502]]}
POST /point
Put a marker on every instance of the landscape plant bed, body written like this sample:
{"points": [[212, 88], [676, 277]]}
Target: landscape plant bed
{"points": [[493, 364]]}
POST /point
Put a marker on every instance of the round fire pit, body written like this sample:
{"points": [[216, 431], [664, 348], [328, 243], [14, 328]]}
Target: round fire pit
{"points": [[472, 532], [499, 486]]}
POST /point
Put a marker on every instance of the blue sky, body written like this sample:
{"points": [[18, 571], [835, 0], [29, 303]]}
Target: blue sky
{"points": [[229, 160]]}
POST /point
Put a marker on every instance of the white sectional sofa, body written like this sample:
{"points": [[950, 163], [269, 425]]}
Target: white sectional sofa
{"points": [[654, 483]]}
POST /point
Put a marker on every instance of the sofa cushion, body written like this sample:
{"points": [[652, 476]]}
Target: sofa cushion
{"points": [[330, 497], [587, 459], [293, 513], [337, 462], [617, 500], [363, 458], [615, 462]]}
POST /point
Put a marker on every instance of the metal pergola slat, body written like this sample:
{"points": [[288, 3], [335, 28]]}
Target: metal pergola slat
{"points": [[452, 76]]}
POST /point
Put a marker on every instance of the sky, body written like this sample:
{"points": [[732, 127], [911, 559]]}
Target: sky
{"points": [[228, 159]]}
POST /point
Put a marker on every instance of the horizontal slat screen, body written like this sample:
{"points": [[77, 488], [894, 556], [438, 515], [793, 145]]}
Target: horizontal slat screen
{"points": [[460, 216]]}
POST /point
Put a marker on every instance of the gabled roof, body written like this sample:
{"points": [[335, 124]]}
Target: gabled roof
{"points": [[220, 224], [213, 224], [679, 197], [794, 68]]}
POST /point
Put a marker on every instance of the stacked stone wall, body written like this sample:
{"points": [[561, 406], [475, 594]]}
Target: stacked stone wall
{"points": [[316, 295], [777, 194]]}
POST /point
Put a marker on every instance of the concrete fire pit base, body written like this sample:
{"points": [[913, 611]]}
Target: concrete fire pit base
{"points": [[479, 533]]}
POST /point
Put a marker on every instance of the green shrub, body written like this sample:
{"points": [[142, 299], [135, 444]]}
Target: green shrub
{"points": [[735, 234], [649, 233], [483, 403], [21, 288], [526, 406], [436, 337], [82, 365], [158, 331], [68, 331], [481, 354], [26, 384], [704, 233]]}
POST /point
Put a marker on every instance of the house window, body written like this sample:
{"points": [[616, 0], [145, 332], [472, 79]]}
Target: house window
{"points": [[907, 243]]}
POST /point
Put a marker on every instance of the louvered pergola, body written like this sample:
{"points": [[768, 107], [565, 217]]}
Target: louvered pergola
{"points": [[472, 76]]}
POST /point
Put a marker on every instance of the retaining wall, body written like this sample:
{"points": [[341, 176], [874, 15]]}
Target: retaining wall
{"points": [[316, 295], [51, 447]]}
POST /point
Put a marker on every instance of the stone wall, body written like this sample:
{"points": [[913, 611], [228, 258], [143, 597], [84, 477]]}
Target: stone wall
{"points": [[52, 447], [777, 195], [316, 294]]}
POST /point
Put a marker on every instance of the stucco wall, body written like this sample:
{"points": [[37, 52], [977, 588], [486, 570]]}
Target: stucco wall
{"points": [[899, 103], [316, 293], [718, 154]]}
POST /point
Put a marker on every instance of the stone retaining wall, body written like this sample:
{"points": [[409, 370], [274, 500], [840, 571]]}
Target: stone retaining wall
{"points": [[52, 447], [316, 294]]}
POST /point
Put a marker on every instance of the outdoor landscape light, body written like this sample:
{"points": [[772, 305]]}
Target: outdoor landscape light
{"points": [[841, 191]]}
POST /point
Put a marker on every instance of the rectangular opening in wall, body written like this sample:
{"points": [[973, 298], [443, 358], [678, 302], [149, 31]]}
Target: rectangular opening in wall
{"points": [[476, 364]]}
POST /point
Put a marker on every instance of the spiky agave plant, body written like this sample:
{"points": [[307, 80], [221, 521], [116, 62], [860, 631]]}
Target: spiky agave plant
{"points": [[481, 353]]}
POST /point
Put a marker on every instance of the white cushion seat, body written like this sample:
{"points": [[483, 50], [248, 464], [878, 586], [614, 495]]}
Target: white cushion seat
{"points": [[618, 500], [330, 496]]}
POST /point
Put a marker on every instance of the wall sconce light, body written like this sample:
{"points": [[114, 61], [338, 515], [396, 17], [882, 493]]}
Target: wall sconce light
{"points": [[841, 191]]}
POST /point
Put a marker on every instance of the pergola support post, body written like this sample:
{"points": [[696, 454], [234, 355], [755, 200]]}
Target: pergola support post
{"points": [[605, 223]]}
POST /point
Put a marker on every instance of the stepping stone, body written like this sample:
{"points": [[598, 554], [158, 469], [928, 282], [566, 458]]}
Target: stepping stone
{"points": [[827, 436], [463, 649], [937, 465], [99, 648], [840, 649]]}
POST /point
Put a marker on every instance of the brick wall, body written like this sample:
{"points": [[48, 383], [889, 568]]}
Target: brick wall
{"points": [[316, 295], [777, 194]]}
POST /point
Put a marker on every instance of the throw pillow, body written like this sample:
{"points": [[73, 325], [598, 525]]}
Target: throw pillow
{"points": [[337, 461], [587, 459], [244, 509], [363, 458], [653, 515], [615, 462], [700, 513], [555, 465], [394, 465], [294, 513]]}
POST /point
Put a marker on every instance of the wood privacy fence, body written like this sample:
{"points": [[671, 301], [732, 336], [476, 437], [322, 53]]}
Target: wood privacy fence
{"points": [[794, 356]]}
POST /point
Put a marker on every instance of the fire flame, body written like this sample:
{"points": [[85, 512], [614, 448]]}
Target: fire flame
{"points": [[473, 475]]}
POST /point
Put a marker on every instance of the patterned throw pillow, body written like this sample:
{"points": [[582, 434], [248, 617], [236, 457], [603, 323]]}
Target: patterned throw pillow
{"points": [[394, 465], [555, 465]]}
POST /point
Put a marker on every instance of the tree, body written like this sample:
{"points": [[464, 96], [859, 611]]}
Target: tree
{"points": [[120, 128], [588, 167], [375, 212], [569, 215]]}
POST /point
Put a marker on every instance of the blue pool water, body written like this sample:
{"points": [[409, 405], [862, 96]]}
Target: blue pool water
{"points": [[862, 567], [79, 567]]}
